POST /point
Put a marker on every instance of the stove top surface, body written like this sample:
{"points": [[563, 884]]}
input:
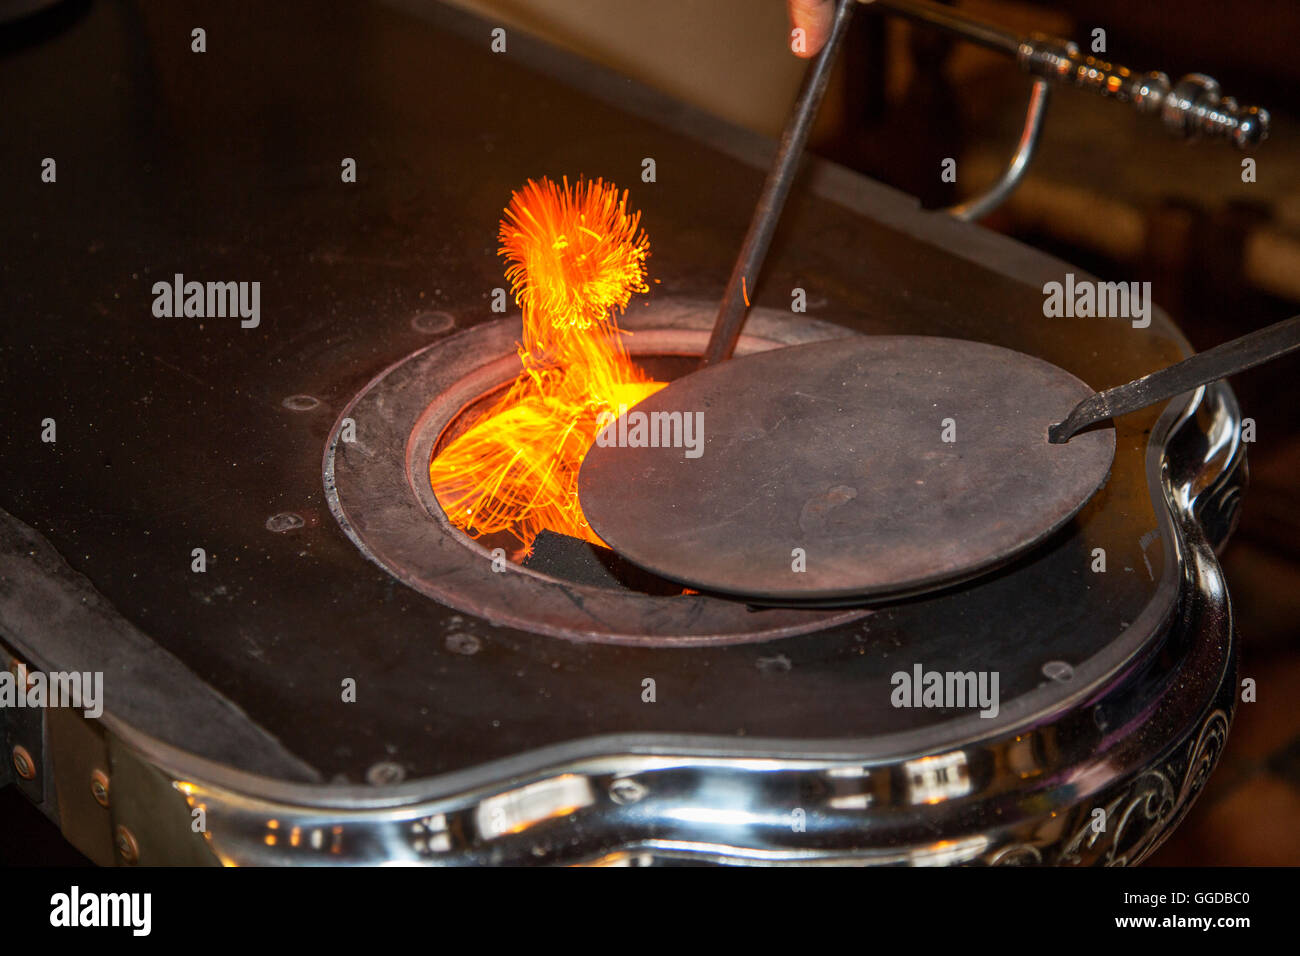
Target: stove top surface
{"points": [[185, 432]]}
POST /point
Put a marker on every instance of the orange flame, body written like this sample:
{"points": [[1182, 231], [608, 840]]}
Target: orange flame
{"points": [[575, 257]]}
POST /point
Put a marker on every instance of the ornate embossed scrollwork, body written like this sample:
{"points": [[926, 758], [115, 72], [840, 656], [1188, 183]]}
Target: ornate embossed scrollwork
{"points": [[1133, 819], [1016, 854], [1142, 820], [1205, 751], [1138, 817]]}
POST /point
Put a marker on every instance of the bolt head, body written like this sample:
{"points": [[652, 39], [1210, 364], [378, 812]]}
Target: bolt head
{"points": [[385, 773], [1058, 671], [127, 847], [625, 790], [24, 764], [99, 787]]}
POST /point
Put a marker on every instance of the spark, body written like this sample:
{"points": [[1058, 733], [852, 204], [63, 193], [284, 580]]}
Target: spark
{"points": [[575, 257]]}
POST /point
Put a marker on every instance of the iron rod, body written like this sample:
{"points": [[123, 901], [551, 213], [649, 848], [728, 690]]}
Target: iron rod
{"points": [[1219, 362], [945, 18], [744, 275]]}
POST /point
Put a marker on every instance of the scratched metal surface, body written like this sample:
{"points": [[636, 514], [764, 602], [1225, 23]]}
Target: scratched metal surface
{"points": [[174, 434], [838, 455]]}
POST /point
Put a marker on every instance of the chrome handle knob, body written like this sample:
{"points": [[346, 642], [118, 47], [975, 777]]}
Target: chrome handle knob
{"points": [[1194, 107]]}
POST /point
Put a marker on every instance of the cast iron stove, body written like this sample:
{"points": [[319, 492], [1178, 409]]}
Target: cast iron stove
{"points": [[348, 680]]}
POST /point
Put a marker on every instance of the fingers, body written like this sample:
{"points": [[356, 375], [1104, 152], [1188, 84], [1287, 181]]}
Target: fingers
{"points": [[813, 17]]}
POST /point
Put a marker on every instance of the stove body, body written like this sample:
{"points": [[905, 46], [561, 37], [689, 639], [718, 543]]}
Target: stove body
{"points": [[492, 733]]}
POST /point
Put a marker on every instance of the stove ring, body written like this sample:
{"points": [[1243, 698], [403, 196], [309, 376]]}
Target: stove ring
{"points": [[377, 486]]}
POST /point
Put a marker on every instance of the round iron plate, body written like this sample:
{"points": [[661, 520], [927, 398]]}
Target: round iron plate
{"points": [[858, 468]]}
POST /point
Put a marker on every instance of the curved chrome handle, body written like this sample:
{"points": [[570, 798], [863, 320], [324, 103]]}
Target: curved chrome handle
{"points": [[980, 206]]}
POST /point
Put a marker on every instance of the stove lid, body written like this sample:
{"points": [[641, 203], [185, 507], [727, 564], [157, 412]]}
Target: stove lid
{"points": [[855, 469]]}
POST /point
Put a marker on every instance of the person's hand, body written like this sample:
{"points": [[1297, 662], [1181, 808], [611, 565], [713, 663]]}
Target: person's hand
{"points": [[814, 18]]}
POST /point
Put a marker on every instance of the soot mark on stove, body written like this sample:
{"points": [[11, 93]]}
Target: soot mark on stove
{"points": [[813, 517]]}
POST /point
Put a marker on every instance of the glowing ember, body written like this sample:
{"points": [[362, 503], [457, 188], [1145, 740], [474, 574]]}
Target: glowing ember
{"points": [[575, 257]]}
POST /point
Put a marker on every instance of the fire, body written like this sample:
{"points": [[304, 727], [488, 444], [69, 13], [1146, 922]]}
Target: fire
{"points": [[575, 258]]}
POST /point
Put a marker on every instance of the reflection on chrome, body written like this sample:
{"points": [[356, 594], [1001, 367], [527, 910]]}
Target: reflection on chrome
{"points": [[935, 779], [949, 852], [850, 788], [517, 810], [720, 816]]}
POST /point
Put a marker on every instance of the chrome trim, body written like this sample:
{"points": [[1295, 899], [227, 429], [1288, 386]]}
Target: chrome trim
{"points": [[977, 207]]}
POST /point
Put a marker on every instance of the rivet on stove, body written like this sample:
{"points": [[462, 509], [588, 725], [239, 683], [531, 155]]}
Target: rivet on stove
{"points": [[127, 847], [433, 323], [385, 773], [99, 787], [1058, 671], [284, 521], [23, 763], [461, 643], [301, 403], [625, 790]]}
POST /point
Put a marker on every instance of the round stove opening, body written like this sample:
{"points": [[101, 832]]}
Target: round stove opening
{"points": [[559, 552], [378, 485]]}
